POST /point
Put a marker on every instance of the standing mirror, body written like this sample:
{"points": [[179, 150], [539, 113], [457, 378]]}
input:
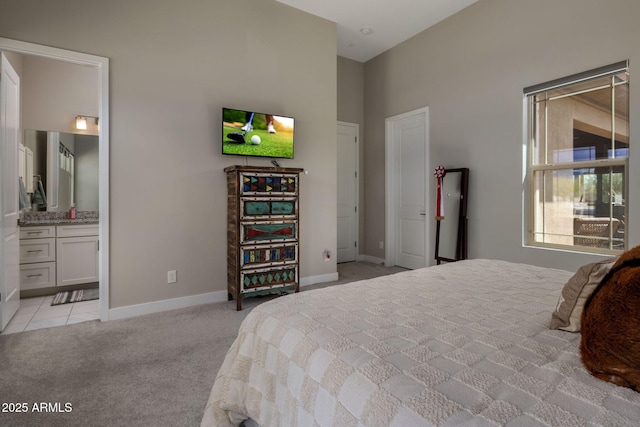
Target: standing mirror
{"points": [[451, 228]]}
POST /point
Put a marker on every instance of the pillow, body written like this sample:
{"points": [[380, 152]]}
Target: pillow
{"points": [[575, 293]]}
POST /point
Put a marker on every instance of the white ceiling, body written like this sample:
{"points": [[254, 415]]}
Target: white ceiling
{"points": [[390, 21]]}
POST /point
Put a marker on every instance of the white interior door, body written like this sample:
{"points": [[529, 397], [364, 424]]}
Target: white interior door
{"points": [[9, 140], [347, 192], [407, 149]]}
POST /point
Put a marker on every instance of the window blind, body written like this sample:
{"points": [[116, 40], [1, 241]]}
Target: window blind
{"points": [[606, 70]]}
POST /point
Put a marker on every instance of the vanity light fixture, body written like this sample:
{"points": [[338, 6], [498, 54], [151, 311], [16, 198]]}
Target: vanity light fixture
{"points": [[81, 122]]}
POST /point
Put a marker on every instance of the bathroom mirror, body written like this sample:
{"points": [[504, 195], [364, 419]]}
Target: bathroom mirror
{"points": [[451, 232], [66, 165]]}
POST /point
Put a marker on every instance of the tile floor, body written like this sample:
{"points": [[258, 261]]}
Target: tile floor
{"points": [[38, 313]]}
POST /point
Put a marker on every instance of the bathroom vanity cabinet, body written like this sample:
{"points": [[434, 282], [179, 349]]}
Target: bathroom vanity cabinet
{"points": [[58, 255], [76, 254]]}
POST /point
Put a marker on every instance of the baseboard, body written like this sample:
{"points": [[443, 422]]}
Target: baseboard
{"points": [[193, 300], [371, 259], [166, 305], [312, 280]]}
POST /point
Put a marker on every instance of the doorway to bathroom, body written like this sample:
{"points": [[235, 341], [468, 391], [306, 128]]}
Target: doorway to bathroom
{"points": [[63, 119]]}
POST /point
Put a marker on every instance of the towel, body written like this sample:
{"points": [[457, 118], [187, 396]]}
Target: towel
{"points": [[39, 197], [23, 199]]}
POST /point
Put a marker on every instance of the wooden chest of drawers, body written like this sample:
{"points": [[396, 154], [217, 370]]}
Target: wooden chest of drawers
{"points": [[262, 231]]}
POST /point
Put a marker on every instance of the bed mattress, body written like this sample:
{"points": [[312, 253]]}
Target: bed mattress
{"points": [[465, 343]]}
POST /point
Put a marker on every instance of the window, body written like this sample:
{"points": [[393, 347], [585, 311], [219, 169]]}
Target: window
{"points": [[577, 153]]}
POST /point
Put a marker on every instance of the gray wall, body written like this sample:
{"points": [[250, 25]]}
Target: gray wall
{"points": [[350, 91], [54, 92], [173, 66], [351, 109], [470, 70]]}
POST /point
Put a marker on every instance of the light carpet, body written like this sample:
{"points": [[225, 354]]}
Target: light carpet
{"points": [[154, 370]]}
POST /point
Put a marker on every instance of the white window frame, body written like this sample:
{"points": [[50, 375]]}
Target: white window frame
{"points": [[529, 234]]}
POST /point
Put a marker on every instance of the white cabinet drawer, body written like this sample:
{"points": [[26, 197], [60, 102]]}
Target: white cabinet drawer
{"points": [[37, 232], [38, 275], [37, 250], [77, 230]]}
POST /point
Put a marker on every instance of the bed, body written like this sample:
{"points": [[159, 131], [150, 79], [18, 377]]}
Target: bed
{"points": [[465, 343]]}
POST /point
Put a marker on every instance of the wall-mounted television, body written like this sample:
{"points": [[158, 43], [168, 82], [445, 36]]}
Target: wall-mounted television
{"points": [[249, 133]]}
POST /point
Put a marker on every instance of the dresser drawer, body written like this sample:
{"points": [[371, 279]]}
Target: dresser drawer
{"points": [[77, 230], [267, 278], [37, 232], [38, 275], [260, 256], [253, 183], [37, 250], [268, 207], [268, 232]]}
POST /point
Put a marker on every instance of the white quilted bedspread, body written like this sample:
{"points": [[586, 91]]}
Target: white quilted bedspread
{"points": [[465, 343]]}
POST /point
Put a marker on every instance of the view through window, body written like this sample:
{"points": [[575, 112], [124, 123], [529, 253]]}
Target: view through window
{"points": [[577, 161]]}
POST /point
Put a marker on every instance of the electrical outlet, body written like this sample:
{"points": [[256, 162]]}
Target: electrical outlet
{"points": [[172, 276], [381, 244]]}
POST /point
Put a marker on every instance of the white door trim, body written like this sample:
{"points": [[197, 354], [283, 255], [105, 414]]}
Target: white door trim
{"points": [[390, 182], [103, 141], [356, 127]]}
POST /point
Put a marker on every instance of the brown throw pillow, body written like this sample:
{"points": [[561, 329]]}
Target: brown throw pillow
{"points": [[575, 293], [610, 341]]}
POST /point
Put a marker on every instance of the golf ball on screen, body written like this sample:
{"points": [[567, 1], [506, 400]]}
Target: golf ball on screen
{"points": [[255, 140]]}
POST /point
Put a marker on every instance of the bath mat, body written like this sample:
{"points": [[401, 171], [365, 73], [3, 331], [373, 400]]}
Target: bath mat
{"points": [[75, 296]]}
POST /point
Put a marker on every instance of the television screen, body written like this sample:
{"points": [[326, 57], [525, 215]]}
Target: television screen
{"points": [[249, 133]]}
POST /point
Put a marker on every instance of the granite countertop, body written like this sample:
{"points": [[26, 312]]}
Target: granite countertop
{"points": [[67, 221], [57, 218]]}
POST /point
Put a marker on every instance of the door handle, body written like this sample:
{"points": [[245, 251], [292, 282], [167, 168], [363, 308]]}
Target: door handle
{"points": [[423, 213]]}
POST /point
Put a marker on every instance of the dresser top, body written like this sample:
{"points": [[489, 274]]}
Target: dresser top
{"points": [[262, 169]]}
